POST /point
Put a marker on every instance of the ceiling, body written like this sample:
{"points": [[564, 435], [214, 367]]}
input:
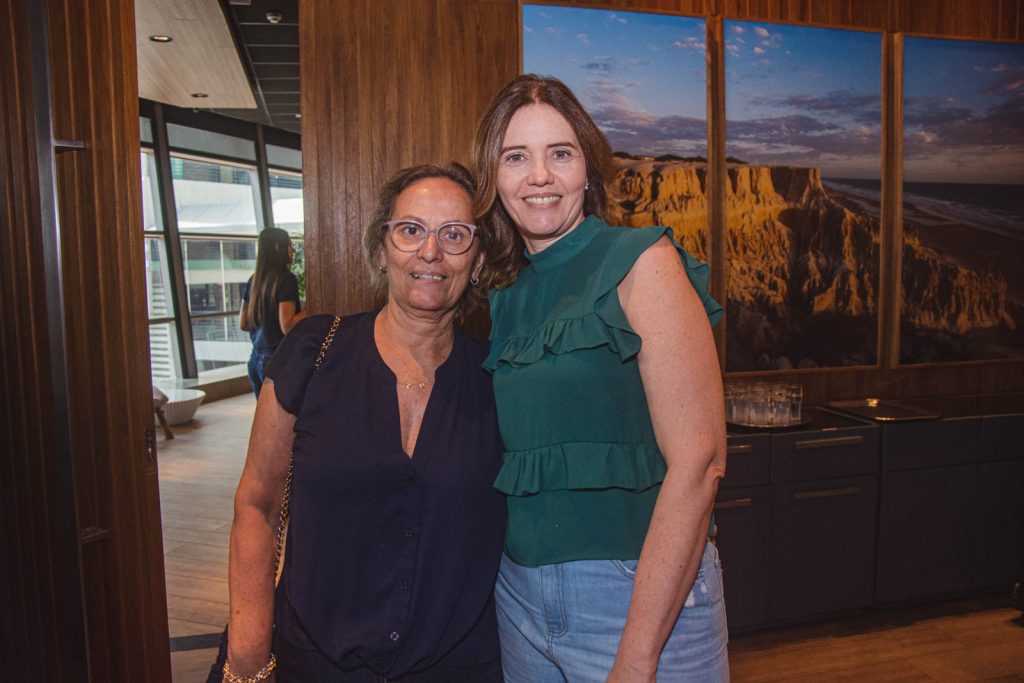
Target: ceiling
{"points": [[270, 53], [247, 65]]}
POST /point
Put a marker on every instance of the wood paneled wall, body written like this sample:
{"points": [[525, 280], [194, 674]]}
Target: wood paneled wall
{"points": [[368, 110], [386, 85], [41, 612], [95, 95], [115, 551]]}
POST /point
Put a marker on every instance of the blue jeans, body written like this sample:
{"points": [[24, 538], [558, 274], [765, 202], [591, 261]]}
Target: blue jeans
{"points": [[562, 622], [257, 364]]}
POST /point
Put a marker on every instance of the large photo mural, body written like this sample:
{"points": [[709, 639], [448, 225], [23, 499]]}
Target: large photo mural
{"points": [[963, 201], [804, 158], [803, 110]]}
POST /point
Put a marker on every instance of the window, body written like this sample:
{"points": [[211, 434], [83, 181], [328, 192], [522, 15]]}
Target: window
{"points": [[214, 197], [218, 214], [286, 198]]}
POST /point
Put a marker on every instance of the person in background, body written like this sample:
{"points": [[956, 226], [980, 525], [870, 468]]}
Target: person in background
{"points": [[270, 301], [610, 404], [395, 529]]}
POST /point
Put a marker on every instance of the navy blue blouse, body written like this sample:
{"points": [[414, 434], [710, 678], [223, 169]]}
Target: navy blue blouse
{"points": [[390, 561]]}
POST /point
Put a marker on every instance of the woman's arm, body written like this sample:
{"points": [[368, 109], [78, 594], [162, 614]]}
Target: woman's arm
{"points": [[682, 382], [286, 315], [254, 534]]}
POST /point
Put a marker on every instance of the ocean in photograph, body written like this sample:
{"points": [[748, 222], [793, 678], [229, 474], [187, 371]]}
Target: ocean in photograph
{"points": [[963, 286]]}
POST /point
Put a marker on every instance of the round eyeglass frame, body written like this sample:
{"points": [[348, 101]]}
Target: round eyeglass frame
{"points": [[390, 225]]}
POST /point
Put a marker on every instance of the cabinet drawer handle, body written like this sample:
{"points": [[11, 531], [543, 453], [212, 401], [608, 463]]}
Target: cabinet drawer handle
{"points": [[739, 448], [827, 493], [734, 503], [829, 443]]}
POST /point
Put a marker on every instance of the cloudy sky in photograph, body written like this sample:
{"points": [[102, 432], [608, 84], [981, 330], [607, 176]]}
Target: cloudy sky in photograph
{"points": [[641, 76], [794, 95], [963, 111], [804, 97]]}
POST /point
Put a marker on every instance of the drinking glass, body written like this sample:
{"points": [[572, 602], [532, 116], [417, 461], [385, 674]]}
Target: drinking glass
{"points": [[779, 406], [796, 398], [760, 405]]}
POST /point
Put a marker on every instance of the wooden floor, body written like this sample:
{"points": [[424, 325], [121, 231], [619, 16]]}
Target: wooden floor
{"points": [[974, 640]]}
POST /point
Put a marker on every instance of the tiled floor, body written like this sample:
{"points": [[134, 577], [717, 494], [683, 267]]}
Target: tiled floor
{"points": [[977, 640]]}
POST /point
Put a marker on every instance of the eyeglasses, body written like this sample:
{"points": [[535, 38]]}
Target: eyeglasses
{"points": [[453, 237]]}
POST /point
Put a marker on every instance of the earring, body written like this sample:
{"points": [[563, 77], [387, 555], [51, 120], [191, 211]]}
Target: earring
{"points": [[586, 186], [475, 279], [382, 268]]}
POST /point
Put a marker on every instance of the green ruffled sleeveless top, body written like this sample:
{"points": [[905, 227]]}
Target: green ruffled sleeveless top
{"points": [[582, 469]]}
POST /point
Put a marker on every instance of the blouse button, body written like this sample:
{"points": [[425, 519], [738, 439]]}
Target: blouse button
{"points": [[394, 635], [403, 586], [410, 533]]}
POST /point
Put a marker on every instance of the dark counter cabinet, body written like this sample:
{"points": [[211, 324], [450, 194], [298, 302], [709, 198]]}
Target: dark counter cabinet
{"points": [[844, 513], [743, 517], [796, 521], [952, 501], [824, 511], [999, 542], [928, 519]]}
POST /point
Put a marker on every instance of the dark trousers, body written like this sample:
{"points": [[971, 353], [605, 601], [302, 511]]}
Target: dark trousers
{"points": [[295, 665]]}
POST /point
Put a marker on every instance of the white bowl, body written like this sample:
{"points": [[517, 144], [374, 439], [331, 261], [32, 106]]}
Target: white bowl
{"points": [[182, 404]]}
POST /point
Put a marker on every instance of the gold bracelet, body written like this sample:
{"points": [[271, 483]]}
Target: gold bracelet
{"points": [[261, 675]]}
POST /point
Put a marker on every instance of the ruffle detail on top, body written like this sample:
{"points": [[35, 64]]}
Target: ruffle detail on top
{"points": [[581, 465], [606, 324], [590, 331]]}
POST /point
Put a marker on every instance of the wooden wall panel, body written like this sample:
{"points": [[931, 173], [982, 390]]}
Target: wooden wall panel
{"points": [[386, 85], [980, 19], [88, 541], [39, 593], [684, 7], [95, 95]]}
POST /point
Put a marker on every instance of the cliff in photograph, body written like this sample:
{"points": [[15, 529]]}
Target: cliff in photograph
{"points": [[803, 264]]}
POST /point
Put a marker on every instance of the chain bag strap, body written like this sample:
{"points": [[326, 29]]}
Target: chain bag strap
{"points": [[282, 522]]}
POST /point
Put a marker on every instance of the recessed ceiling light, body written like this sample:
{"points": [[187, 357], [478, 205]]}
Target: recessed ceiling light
{"points": [[161, 38], [298, 116], [199, 95]]}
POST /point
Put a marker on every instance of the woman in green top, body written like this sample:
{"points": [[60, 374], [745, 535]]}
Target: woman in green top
{"points": [[610, 405]]}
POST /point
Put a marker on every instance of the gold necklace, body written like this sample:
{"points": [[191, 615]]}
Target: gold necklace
{"points": [[416, 385]]}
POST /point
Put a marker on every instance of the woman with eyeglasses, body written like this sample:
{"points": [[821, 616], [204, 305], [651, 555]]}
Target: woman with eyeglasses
{"points": [[395, 529]]}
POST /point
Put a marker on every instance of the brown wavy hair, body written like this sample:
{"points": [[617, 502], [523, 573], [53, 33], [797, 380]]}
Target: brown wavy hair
{"points": [[488, 210], [374, 233]]}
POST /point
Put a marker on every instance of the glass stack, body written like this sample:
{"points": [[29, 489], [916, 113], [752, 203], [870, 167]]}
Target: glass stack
{"points": [[763, 404]]}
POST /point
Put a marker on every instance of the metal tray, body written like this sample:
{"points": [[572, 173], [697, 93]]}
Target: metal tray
{"points": [[804, 419], [883, 410]]}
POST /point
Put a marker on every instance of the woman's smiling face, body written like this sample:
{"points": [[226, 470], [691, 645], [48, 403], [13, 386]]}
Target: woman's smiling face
{"points": [[429, 280], [542, 175]]}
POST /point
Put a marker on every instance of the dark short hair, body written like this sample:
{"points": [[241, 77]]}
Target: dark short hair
{"points": [[523, 91], [374, 234]]}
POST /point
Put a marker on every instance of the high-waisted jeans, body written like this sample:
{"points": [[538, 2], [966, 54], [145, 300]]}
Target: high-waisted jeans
{"points": [[562, 622]]}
